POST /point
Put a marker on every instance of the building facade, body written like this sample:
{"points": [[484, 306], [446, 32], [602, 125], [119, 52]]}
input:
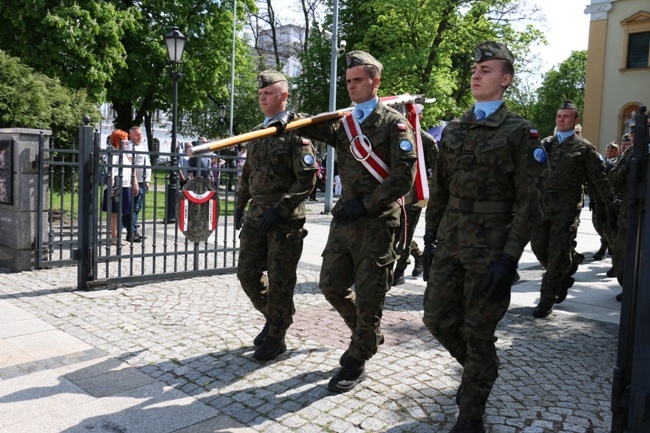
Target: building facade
{"points": [[290, 41], [618, 68]]}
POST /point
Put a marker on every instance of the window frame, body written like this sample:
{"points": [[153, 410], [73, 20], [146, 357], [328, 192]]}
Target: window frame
{"points": [[637, 23]]}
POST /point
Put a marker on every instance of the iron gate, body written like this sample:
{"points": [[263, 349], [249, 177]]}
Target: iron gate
{"points": [[79, 226]]}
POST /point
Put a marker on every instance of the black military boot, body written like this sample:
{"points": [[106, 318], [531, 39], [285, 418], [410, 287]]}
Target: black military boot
{"points": [[349, 376], [564, 290], [600, 254], [464, 425], [458, 392], [270, 349], [259, 340], [611, 273], [398, 275], [343, 359], [418, 268], [576, 260], [543, 309]]}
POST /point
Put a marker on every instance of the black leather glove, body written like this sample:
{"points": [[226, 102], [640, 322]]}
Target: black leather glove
{"points": [[270, 218], [280, 120], [500, 277], [239, 218], [430, 245], [350, 210]]}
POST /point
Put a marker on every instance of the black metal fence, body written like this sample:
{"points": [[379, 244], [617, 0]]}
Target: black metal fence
{"points": [[89, 220]]}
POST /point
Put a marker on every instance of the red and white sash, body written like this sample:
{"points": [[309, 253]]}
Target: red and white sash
{"points": [[361, 149]]}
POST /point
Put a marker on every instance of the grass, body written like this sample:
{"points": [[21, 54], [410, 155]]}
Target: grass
{"points": [[66, 204]]}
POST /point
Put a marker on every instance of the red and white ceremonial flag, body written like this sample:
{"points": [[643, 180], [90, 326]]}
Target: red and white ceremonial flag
{"points": [[421, 184]]}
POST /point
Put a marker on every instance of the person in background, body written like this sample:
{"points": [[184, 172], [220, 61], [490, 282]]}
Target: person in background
{"points": [[184, 162], [123, 186], [413, 212], [483, 205], [599, 214], [573, 162], [241, 160], [215, 170], [142, 170], [199, 165]]}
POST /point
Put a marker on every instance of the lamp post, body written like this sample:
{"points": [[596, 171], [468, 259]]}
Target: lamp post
{"points": [[222, 119], [175, 43]]}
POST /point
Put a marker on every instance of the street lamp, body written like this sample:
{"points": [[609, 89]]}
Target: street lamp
{"points": [[222, 118], [175, 43]]}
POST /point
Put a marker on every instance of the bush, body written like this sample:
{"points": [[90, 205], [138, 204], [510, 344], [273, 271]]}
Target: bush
{"points": [[32, 100]]}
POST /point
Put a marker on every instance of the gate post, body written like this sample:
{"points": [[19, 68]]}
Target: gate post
{"points": [[86, 210]]}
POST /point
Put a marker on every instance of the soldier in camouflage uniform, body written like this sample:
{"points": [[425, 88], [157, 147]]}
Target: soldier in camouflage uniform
{"points": [[484, 202], [619, 179], [360, 249], [277, 177], [413, 211], [573, 161]]}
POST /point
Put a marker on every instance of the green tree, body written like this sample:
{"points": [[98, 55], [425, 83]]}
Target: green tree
{"points": [[565, 82], [427, 47], [313, 85], [79, 43], [29, 99], [115, 50]]}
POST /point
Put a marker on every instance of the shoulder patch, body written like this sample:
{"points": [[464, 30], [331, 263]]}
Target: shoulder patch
{"points": [[306, 141], [308, 159], [406, 146], [533, 133], [401, 126], [539, 155]]}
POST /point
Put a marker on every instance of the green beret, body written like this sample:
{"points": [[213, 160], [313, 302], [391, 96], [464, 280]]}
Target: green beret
{"points": [[568, 105], [490, 50], [359, 58], [266, 78]]}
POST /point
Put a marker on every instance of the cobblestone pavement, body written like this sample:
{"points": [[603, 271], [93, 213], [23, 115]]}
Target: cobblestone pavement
{"points": [[196, 335]]}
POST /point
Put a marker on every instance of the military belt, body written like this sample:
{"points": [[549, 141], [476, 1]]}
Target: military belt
{"points": [[481, 206], [267, 198]]}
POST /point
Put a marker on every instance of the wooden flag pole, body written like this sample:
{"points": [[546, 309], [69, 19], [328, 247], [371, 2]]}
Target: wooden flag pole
{"points": [[296, 124]]}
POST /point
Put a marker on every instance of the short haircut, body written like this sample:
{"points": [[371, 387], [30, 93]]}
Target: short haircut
{"points": [[508, 68], [372, 71]]}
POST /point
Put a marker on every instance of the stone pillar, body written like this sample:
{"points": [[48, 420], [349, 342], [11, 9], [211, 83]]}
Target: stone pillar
{"points": [[19, 197]]}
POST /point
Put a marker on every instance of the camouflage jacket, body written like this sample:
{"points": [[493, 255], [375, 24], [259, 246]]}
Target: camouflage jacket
{"points": [[279, 171], [493, 164], [572, 164], [393, 141]]}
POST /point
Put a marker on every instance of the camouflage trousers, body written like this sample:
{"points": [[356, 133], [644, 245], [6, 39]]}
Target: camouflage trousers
{"points": [[618, 250], [553, 243], [459, 316], [409, 247], [359, 252], [278, 254]]}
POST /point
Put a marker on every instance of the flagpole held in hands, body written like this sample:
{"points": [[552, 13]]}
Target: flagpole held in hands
{"points": [[296, 124]]}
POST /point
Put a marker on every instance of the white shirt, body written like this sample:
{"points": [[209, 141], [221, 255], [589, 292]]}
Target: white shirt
{"points": [[141, 161]]}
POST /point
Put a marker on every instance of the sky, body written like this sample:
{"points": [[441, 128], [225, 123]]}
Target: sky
{"points": [[568, 30]]}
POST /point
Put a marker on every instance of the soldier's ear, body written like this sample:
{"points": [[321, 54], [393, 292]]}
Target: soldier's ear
{"points": [[506, 80]]}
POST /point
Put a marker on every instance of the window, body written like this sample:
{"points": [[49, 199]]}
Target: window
{"points": [[638, 50], [636, 37]]}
